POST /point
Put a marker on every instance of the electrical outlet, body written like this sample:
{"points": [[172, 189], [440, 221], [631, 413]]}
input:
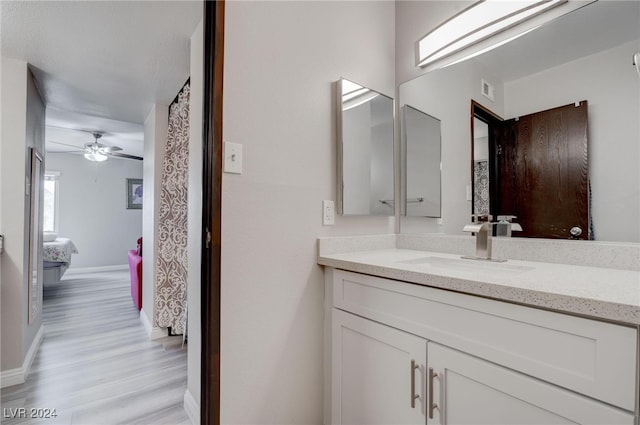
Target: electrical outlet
{"points": [[328, 213]]}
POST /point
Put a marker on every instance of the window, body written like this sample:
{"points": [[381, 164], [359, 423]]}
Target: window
{"points": [[51, 201]]}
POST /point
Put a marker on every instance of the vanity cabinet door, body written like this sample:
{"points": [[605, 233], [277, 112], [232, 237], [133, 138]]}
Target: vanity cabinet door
{"points": [[378, 373], [468, 390]]}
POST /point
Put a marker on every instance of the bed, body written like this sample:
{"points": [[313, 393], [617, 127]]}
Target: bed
{"points": [[57, 258]]}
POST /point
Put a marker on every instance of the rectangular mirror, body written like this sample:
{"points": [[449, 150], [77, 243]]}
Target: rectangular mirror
{"points": [[365, 151], [584, 55], [421, 147]]}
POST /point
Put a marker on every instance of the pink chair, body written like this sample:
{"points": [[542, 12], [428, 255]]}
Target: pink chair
{"points": [[135, 267]]}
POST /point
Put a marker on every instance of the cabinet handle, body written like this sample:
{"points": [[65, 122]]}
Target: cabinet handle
{"points": [[414, 396], [431, 405]]}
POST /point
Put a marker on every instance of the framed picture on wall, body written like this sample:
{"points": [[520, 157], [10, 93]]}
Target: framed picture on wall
{"points": [[134, 194]]}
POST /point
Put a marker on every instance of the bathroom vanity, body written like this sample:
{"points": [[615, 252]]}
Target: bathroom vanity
{"points": [[422, 336]]}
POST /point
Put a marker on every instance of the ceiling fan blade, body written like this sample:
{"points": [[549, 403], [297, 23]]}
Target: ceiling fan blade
{"points": [[109, 149], [73, 152], [127, 156], [82, 130], [66, 144]]}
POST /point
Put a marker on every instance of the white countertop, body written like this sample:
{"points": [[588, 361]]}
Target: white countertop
{"points": [[596, 292]]}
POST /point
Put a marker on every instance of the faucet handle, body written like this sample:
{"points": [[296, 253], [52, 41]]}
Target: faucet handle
{"points": [[506, 225], [472, 227], [476, 227], [509, 219], [481, 218]]}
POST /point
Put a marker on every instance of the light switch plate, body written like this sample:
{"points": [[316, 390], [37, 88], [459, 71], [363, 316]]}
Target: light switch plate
{"points": [[328, 213], [232, 158]]}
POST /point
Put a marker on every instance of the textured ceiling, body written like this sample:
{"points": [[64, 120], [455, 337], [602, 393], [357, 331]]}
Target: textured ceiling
{"points": [[107, 60]]}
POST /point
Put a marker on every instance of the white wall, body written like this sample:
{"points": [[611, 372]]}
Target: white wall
{"points": [[281, 60], [194, 236], [155, 139], [22, 126], [14, 106], [610, 84]]}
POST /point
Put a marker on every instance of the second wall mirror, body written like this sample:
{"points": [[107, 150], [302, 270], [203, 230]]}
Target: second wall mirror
{"points": [[420, 170], [365, 151]]}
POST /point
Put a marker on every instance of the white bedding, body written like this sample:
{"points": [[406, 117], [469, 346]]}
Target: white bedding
{"points": [[59, 251]]}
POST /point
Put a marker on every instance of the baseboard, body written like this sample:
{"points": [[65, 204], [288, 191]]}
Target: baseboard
{"points": [[154, 332], [12, 377], [33, 350], [192, 408], [97, 269], [19, 375]]}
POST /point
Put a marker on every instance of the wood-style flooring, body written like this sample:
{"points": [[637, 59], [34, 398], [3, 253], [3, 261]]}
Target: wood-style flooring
{"points": [[96, 364]]}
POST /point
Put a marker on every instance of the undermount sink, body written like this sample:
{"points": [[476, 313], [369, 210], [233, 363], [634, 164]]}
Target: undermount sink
{"points": [[463, 264]]}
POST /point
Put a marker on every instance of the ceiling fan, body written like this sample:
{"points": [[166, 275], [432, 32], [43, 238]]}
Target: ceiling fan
{"points": [[98, 152]]}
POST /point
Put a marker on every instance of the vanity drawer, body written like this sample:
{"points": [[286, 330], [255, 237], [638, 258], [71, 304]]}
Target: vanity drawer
{"points": [[594, 358]]}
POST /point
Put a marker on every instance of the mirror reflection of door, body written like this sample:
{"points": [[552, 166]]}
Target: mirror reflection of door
{"points": [[538, 171]]}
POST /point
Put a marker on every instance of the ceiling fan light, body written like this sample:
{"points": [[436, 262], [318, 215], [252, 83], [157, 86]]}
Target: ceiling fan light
{"points": [[96, 157]]}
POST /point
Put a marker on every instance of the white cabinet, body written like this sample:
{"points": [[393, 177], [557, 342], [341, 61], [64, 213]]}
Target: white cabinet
{"points": [[492, 362], [378, 373], [468, 390]]}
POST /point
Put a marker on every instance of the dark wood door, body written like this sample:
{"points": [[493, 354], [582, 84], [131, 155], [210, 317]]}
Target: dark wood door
{"points": [[543, 172]]}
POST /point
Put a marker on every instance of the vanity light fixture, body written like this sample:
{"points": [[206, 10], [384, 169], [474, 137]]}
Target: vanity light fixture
{"points": [[486, 19]]}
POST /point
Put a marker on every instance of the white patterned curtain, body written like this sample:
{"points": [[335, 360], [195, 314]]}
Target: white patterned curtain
{"points": [[171, 264]]}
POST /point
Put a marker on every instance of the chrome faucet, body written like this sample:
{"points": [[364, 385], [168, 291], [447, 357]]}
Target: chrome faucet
{"points": [[505, 226], [484, 236]]}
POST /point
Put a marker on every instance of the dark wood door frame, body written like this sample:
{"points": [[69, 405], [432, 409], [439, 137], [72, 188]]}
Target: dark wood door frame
{"points": [[493, 121], [213, 22]]}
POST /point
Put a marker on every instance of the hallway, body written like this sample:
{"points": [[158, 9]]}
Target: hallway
{"points": [[96, 364]]}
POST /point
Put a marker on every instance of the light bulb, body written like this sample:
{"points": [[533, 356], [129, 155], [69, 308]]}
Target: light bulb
{"points": [[96, 157]]}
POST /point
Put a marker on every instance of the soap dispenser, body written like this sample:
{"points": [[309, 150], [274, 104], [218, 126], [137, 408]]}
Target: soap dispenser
{"points": [[505, 226]]}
